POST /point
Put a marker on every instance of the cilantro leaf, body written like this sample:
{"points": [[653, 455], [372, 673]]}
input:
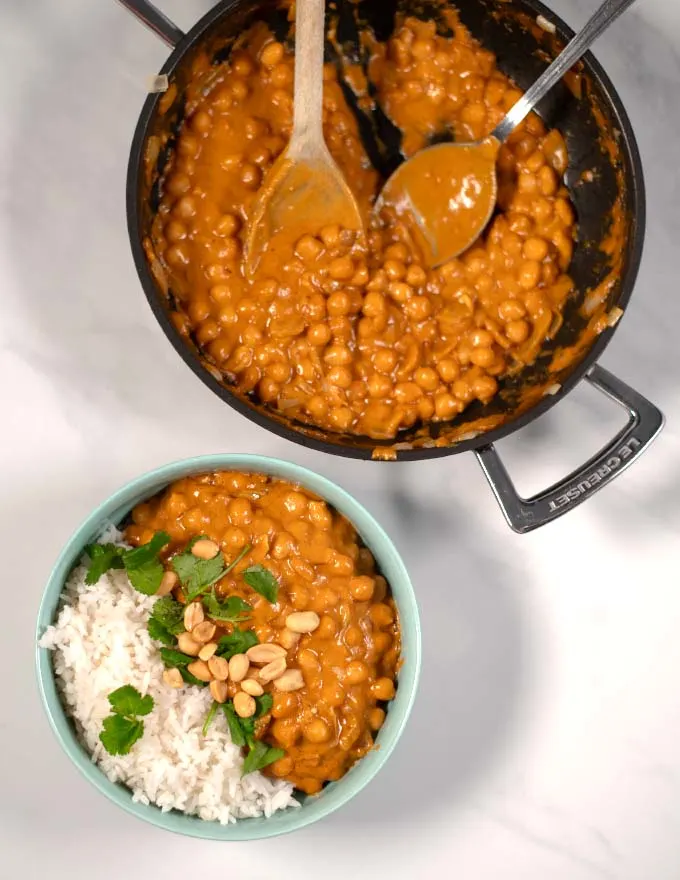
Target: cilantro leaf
{"points": [[138, 557], [259, 756], [264, 704], [197, 575], [232, 610], [146, 578], [175, 659], [103, 557], [234, 722], [236, 642], [127, 700], [209, 717], [262, 581], [119, 734], [170, 614], [158, 632]]}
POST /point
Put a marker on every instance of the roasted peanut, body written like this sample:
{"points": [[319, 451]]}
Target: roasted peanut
{"points": [[207, 651], [168, 583], [262, 654], [291, 680], [200, 670], [238, 666], [205, 549], [252, 687], [244, 705], [302, 621], [173, 678], [193, 615], [219, 667], [188, 645], [203, 632], [218, 690], [273, 670]]}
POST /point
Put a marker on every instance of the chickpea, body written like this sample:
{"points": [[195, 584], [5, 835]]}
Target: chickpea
{"points": [[341, 268], [385, 360], [339, 303], [529, 274], [416, 276], [319, 334], [201, 122], [376, 718], [251, 176], [379, 386], [327, 627], [484, 387], [285, 704], [341, 417], [308, 248], [341, 377], [361, 588], [279, 372], [547, 181], [239, 90], [316, 731], [331, 236], [272, 54], [445, 406], [337, 354], [448, 370], [511, 310], [418, 308], [185, 208], [177, 184], [374, 304], [482, 357], [517, 331], [426, 378], [480, 339], [395, 270], [382, 689], [461, 389], [356, 672]]}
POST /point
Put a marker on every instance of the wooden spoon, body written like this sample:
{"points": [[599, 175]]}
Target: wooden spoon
{"points": [[304, 190], [447, 193]]}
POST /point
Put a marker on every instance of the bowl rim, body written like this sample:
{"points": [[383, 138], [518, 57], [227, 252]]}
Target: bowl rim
{"points": [[335, 795]]}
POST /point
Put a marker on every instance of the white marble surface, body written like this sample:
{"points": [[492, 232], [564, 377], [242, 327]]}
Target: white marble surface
{"points": [[545, 742]]}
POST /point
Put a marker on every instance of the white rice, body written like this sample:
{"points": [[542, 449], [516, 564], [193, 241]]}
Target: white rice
{"points": [[100, 642]]}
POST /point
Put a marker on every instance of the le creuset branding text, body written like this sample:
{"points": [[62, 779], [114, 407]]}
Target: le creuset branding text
{"points": [[612, 464]]}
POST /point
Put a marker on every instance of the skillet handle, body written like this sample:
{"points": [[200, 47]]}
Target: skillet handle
{"points": [[155, 20], [525, 514]]}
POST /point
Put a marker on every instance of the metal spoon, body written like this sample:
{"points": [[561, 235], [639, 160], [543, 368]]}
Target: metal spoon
{"points": [[448, 191], [304, 190]]}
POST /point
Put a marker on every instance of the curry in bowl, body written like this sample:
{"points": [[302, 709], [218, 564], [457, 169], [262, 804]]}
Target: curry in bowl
{"points": [[233, 644], [348, 336]]}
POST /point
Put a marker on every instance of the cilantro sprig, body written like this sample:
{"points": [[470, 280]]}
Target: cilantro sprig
{"points": [[198, 575], [242, 732], [236, 642], [166, 620], [231, 610], [122, 728], [143, 567]]}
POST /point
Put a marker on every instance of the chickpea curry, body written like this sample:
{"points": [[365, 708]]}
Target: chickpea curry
{"points": [[297, 637], [349, 334]]}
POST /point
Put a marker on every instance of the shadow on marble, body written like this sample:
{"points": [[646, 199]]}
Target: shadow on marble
{"points": [[475, 658]]}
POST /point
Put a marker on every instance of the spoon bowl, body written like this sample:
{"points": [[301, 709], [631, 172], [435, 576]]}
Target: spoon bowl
{"points": [[305, 189]]}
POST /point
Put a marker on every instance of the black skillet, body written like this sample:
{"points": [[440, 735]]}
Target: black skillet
{"points": [[604, 178]]}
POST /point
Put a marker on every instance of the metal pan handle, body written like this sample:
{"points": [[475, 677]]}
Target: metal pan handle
{"points": [[155, 20], [524, 514]]}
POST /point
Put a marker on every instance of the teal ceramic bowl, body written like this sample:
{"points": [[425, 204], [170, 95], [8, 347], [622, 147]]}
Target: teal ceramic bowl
{"points": [[335, 794]]}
